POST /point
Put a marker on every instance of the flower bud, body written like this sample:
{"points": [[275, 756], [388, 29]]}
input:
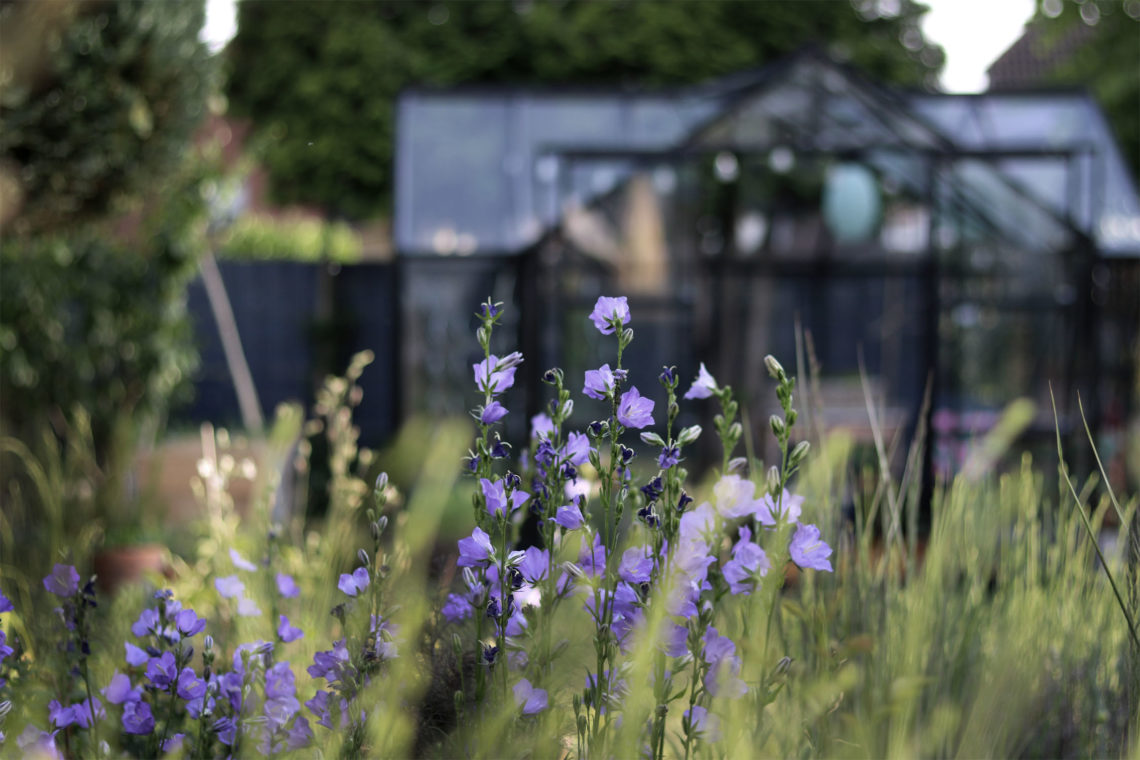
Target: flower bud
{"points": [[689, 434], [512, 359], [777, 425], [567, 408], [799, 452], [653, 439], [774, 368], [737, 464], [381, 482], [362, 555], [382, 523], [773, 479], [627, 335]]}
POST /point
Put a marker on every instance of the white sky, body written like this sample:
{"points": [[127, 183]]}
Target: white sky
{"points": [[973, 33]]}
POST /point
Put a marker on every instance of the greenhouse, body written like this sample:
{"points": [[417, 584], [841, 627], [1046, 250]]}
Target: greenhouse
{"points": [[932, 255]]}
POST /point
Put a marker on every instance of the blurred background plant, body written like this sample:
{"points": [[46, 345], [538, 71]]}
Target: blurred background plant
{"points": [[256, 238], [104, 222]]}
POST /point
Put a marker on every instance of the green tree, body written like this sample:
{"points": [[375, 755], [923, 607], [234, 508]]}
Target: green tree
{"points": [[99, 101], [1107, 61], [319, 79], [103, 216]]}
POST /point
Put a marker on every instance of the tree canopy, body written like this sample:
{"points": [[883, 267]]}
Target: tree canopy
{"points": [[99, 100], [319, 79], [1107, 61]]}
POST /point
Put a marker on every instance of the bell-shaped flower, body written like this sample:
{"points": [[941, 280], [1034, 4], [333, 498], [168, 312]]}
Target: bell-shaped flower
{"points": [[704, 386], [634, 411], [609, 311], [807, 549]]}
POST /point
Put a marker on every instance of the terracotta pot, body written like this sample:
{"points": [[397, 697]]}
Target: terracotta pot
{"points": [[126, 565]]}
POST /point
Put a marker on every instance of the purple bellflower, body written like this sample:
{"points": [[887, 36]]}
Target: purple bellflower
{"points": [[747, 559], [541, 426], [531, 699], [599, 383], [734, 497], [119, 690], [607, 311], [286, 632], [135, 655], [137, 718], [240, 562], [496, 375], [569, 517], [355, 583], [229, 586], [704, 386], [492, 412], [703, 724], [162, 671], [808, 550], [476, 550], [634, 411], [286, 586], [788, 511], [188, 623], [497, 498], [63, 581]]}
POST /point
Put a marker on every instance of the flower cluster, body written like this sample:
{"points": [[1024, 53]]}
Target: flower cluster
{"points": [[580, 484], [647, 566]]}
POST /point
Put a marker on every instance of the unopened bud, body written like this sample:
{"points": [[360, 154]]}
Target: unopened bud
{"points": [[737, 464], [774, 367], [381, 482], [689, 434], [653, 439], [773, 479], [777, 425], [567, 408], [799, 452], [627, 335], [362, 555], [382, 523], [735, 431], [469, 578]]}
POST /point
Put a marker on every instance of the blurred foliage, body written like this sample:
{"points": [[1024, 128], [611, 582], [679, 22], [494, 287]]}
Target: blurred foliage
{"points": [[1107, 63], [104, 219], [98, 99], [319, 79], [255, 238], [90, 322]]}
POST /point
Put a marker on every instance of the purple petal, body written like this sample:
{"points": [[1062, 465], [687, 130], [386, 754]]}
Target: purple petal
{"points": [[229, 586], [286, 586], [240, 562]]}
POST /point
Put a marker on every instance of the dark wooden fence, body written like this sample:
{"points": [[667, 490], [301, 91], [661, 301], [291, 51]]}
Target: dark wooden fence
{"points": [[299, 322]]}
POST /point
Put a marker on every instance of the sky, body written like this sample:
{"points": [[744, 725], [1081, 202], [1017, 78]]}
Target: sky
{"points": [[972, 32]]}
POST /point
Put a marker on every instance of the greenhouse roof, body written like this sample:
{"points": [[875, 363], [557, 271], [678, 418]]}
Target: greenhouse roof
{"points": [[482, 170]]}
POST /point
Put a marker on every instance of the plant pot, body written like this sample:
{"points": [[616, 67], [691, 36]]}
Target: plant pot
{"points": [[127, 565]]}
